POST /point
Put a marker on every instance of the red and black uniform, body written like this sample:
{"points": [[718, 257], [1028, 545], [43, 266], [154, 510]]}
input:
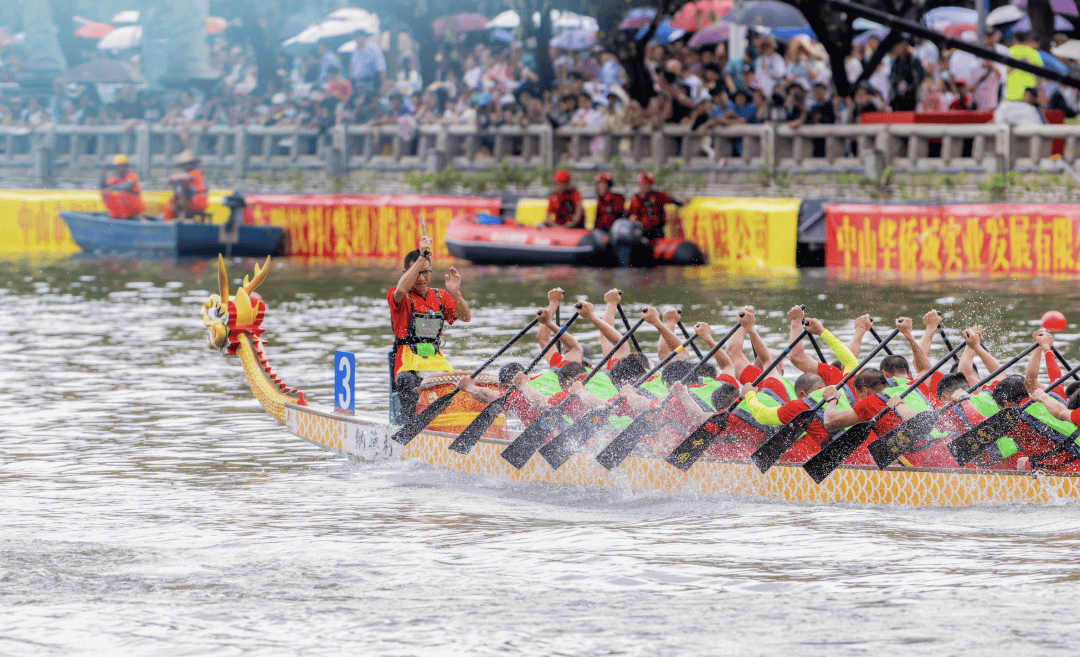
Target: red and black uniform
{"points": [[816, 437], [563, 205], [866, 408], [609, 207], [403, 314], [649, 210]]}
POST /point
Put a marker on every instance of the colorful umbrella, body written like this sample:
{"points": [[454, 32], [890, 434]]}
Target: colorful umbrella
{"points": [[942, 17], [957, 31], [772, 14], [126, 17], [665, 33], [460, 24], [695, 15], [1063, 7], [91, 30], [638, 18], [1053, 63], [1061, 24], [717, 32], [216, 24], [121, 38], [574, 40], [508, 20]]}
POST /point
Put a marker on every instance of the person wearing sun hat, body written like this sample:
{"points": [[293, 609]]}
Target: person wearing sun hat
{"points": [[189, 191], [121, 193]]}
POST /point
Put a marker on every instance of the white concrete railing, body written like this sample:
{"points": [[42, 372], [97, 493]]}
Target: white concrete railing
{"points": [[51, 151]]}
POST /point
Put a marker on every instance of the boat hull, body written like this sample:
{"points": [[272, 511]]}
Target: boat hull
{"points": [[97, 233], [367, 439]]}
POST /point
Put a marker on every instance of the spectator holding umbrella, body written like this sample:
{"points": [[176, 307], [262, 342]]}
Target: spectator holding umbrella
{"points": [[906, 76], [367, 67]]}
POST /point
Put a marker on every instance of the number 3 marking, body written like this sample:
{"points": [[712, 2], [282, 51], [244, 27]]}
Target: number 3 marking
{"points": [[345, 399]]}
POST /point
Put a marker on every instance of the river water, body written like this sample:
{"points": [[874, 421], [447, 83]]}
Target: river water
{"points": [[149, 506]]}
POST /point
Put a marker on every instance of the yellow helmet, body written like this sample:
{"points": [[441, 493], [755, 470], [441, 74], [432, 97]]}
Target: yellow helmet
{"points": [[120, 159]]}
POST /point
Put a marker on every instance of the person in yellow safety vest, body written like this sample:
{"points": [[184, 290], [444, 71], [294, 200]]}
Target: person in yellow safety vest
{"points": [[121, 193]]}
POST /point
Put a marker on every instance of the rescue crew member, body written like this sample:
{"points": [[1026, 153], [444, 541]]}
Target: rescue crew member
{"points": [[419, 313], [189, 192], [564, 206], [121, 193], [647, 206], [609, 205]]}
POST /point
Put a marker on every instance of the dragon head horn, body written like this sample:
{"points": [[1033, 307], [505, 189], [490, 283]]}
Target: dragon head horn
{"points": [[223, 279], [260, 276]]}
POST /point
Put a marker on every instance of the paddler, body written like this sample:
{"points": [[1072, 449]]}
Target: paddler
{"points": [[419, 314], [744, 370], [189, 192], [647, 206], [609, 205], [564, 206], [121, 193]]}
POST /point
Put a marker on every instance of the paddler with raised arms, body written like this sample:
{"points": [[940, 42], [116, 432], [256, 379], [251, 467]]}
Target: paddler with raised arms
{"points": [[419, 313]]}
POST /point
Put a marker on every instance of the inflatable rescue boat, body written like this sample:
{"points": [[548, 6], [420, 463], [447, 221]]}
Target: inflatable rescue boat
{"points": [[493, 241]]}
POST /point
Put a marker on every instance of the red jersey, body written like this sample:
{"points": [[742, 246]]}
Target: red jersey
{"points": [[401, 313], [816, 436], [575, 409], [520, 406], [738, 440], [649, 209], [771, 383], [609, 207], [867, 407], [563, 205]]}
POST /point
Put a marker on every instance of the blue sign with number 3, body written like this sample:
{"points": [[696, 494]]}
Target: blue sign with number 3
{"points": [[344, 381]]}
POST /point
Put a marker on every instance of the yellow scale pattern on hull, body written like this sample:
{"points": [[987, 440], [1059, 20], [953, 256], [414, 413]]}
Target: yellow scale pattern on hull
{"points": [[271, 398], [894, 486]]}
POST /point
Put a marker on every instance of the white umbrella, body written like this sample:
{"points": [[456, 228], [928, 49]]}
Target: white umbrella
{"points": [[130, 16], [568, 20], [1068, 50], [1005, 14], [121, 38], [331, 28], [508, 20], [354, 14]]}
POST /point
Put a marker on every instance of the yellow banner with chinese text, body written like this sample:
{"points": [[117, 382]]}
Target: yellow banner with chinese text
{"points": [[760, 232]]}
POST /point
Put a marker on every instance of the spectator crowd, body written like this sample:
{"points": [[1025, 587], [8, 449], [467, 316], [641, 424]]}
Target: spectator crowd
{"points": [[484, 82]]}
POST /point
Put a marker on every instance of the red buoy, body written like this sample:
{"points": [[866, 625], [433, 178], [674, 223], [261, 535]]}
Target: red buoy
{"points": [[1052, 320]]}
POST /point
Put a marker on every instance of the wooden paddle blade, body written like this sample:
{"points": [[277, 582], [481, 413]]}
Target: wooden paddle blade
{"points": [[821, 465], [528, 441], [972, 442], [562, 446], [418, 423], [772, 449], [690, 450], [902, 439], [624, 443], [468, 438]]}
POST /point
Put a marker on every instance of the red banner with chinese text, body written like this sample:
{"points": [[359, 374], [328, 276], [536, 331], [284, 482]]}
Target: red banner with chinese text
{"points": [[338, 225], [1013, 238]]}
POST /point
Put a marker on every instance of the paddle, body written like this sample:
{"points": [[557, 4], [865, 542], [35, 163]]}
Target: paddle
{"points": [[558, 322], [468, 438], [772, 449], [1061, 359], [626, 323], [645, 423], [562, 446], [559, 448], [419, 422], [820, 354], [948, 344], [877, 337], [899, 441], [822, 464], [971, 443], [902, 437], [690, 450], [528, 441], [686, 334]]}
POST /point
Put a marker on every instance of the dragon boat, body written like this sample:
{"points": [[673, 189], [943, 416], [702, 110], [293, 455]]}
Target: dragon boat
{"points": [[234, 325]]}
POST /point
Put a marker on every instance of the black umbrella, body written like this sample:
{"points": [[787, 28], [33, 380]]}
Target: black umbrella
{"points": [[772, 14], [106, 71]]}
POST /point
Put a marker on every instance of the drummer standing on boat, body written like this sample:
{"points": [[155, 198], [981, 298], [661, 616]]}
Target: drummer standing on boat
{"points": [[419, 313], [564, 206]]}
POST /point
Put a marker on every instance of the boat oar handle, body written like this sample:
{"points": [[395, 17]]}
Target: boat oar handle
{"points": [[770, 367], [855, 370], [551, 343], [626, 323], [1055, 384], [506, 346], [686, 334], [603, 361], [877, 337]]}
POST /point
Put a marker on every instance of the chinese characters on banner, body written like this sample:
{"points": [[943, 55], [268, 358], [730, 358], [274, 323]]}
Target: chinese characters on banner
{"points": [[359, 226], [759, 232], [965, 239]]}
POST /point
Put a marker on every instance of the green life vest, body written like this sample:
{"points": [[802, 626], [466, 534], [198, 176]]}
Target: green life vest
{"points": [[547, 383], [842, 402], [789, 387], [656, 387], [601, 386]]}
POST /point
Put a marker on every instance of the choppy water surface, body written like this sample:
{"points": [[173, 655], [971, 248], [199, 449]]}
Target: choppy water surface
{"points": [[149, 506]]}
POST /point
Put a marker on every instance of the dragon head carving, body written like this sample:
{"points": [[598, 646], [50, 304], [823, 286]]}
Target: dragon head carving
{"points": [[227, 318]]}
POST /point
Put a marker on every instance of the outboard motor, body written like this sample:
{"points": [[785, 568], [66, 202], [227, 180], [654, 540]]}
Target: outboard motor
{"points": [[625, 235]]}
